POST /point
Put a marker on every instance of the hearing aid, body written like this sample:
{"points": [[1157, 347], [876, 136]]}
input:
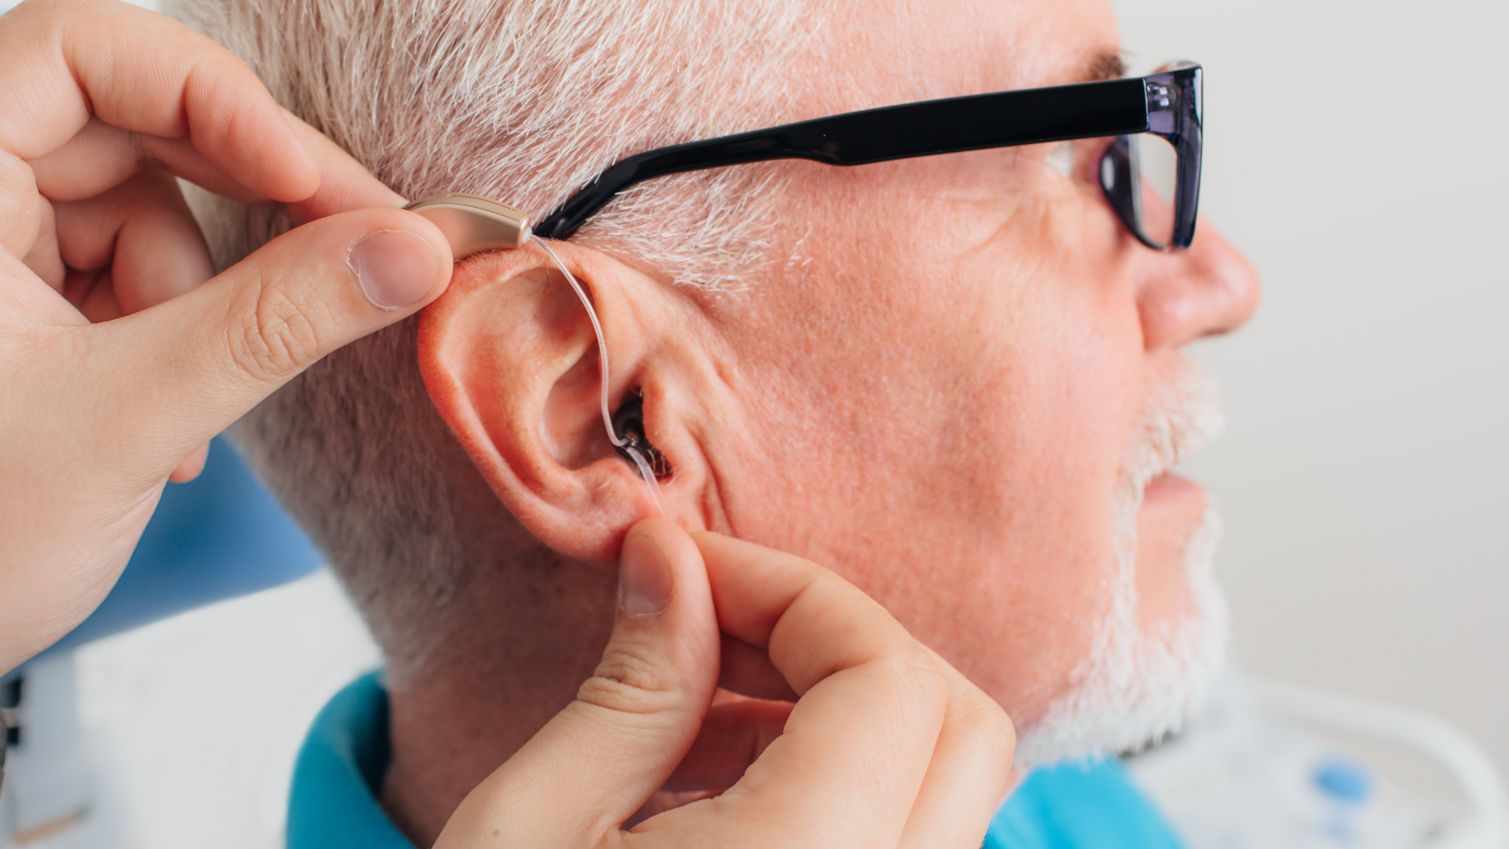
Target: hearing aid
{"points": [[475, 224], [629, 421]]}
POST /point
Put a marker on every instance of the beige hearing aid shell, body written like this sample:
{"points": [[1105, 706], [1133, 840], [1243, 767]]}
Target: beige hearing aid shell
{"points": [[474, 224]]}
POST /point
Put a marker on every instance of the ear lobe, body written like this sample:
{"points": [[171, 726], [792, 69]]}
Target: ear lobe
{"points": [[510, 361]]}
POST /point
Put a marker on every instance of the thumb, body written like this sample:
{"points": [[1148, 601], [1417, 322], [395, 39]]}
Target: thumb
{"points": [[599, 760], [213, 353]]}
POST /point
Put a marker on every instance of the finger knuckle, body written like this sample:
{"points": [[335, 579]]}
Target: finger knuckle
{"points": [[629, 679], [990, 728], [274, 337], [20, 203], [911, 669]]}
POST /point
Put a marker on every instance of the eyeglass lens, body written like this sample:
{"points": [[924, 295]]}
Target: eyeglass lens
{"points": [[1141, 172]]}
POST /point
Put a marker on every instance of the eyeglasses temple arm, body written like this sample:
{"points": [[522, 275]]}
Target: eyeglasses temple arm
{"points": [[952, 125]]}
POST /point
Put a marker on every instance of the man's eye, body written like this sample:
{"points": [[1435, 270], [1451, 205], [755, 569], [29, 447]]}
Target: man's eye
{"points": [[1061, 158]]}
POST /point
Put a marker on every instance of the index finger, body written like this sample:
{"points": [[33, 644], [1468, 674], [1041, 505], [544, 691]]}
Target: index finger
{"points": [[146, 73], [345, 184], [101, 157], [856, 747], [811, 621]]}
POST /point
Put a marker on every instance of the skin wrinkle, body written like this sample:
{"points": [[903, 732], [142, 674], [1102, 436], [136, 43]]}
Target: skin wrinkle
{"points": [[711, 504]]}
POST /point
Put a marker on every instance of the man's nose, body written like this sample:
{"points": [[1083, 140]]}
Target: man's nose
{"points": [[1206, 290]]}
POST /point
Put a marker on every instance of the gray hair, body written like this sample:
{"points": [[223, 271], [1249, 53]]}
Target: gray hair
{"points": [[519, 100]]}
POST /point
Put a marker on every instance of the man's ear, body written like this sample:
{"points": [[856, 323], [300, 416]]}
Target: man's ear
{"points": [[510, 360]]}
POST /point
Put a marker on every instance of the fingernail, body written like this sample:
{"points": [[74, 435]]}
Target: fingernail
{"points": [[395, 268], [644, 578]]}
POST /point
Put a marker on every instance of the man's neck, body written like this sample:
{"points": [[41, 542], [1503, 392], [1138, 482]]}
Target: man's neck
{"points": [[520, 660]]}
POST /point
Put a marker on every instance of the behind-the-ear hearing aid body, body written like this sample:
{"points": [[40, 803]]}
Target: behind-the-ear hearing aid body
{"points": [[475, 224]]}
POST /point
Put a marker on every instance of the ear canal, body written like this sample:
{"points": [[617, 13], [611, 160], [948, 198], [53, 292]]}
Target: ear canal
{"points": [[628, 423]]}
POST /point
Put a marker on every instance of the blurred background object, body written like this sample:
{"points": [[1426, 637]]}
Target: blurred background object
{"points": [[1354, 151]]}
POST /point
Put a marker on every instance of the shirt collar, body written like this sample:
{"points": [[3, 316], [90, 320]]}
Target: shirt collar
{"points": [[338, 778]]}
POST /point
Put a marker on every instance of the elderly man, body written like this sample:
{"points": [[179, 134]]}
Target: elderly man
{"points": [[956, 380]]}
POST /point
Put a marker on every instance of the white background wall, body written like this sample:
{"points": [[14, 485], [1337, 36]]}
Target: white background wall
{"points": [[1356, 150], [1359, 152]]}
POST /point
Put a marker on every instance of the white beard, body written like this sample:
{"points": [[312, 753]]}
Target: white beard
{"points": [[1136, 687]]}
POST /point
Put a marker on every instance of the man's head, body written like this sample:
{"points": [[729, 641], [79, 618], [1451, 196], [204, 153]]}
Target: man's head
{"points": [[955, 380]]}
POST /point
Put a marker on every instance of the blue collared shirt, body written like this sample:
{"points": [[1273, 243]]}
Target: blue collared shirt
{"points": [[339, 772]]}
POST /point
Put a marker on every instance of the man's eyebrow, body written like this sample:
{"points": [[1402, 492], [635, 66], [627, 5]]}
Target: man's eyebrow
{"points": [[1106, 65]]}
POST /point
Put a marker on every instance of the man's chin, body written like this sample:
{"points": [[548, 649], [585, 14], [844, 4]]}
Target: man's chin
{"points": [[1136, 687]]}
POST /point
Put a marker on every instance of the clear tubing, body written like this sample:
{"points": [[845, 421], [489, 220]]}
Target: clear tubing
{"points": [[602, 363]]}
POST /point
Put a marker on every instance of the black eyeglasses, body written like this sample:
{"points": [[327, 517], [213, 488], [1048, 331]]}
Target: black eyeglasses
{"points": [[1150, 173]]}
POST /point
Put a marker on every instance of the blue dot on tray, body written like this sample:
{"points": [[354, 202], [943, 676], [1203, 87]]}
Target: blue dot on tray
{"points": [[1343, 780]]}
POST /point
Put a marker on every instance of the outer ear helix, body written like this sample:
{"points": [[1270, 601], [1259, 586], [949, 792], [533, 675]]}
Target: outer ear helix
{"points": [[625, 448], [473, 224]]}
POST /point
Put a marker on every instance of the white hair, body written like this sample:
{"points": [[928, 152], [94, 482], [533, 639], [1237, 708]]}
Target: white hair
{"points": [[1135, 686], [519, 100]]}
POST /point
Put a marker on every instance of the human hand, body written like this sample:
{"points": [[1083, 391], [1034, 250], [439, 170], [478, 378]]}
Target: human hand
{"points": [[120, 361], [887, 745]]}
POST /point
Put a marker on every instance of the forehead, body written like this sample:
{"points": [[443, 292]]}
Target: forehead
{"points": [[901, 50]]}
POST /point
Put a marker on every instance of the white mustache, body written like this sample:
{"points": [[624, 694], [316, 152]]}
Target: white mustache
{"points": [[1134, 687], [1180, 417]]}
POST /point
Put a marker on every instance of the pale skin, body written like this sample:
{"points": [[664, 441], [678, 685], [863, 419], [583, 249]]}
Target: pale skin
{"points": [[124, 355]]}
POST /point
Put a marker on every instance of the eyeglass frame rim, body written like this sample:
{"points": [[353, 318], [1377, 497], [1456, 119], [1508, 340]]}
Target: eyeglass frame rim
{"points": [[1166, 103]]}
